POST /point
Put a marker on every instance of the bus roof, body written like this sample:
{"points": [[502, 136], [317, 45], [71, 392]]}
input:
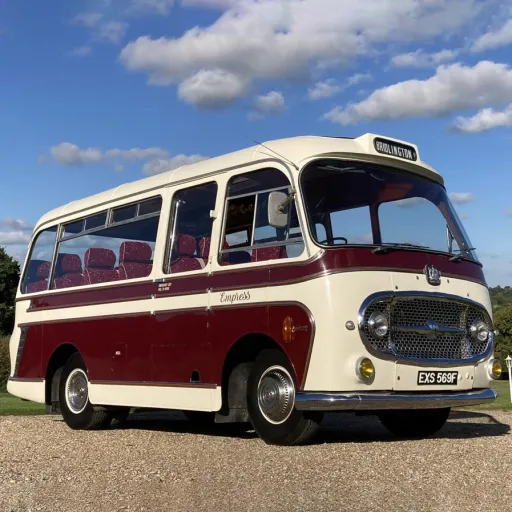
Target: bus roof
{"points": [[296, 150]]}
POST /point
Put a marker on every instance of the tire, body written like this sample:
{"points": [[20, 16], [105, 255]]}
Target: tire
{"points": [[271, 402], [414, 423], [77, 411]]}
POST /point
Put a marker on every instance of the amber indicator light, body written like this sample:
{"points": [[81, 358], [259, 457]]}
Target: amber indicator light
{"points": [[288, 330]]}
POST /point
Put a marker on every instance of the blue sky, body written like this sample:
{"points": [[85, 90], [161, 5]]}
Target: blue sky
{"points": [[95, 93]]}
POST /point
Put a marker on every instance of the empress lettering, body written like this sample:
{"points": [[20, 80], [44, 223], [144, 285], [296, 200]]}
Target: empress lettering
{"points": [[235, 297]]}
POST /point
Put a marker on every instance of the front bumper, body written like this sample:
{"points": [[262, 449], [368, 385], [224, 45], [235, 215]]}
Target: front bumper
{"points": [[384, 400]]}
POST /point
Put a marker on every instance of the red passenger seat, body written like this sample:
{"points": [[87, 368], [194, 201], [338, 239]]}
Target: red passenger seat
{"points": [[184, 259], [269, 253], [41, 272], [135, 260], [70, 269], [204, 250], [99, 266]]}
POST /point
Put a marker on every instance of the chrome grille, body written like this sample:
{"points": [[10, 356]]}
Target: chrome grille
{"points": [[426, 327]]}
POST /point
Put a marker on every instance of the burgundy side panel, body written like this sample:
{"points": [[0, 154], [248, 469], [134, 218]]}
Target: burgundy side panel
{"points": [[299, 349], [227, 325], [30, 363], [179, 345], [99, 341]]}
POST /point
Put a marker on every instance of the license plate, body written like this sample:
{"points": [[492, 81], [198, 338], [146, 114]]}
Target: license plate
{"points": [[437, 378]]}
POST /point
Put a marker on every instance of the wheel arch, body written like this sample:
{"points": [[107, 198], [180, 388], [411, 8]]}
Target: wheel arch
{"points": [[54, 369]]}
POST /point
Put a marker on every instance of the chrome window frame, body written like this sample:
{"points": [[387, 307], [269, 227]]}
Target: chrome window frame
{"points": [[410, 361]]}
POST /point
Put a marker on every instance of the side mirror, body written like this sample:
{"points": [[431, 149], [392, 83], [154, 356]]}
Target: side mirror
{"points": [[278, 209]]}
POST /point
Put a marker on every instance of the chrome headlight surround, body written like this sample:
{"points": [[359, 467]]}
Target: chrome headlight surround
{"points": [[378, 325], [480, 331]]}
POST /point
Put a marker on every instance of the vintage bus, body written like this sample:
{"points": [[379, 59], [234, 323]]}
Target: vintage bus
{"points": [[271, 285]]}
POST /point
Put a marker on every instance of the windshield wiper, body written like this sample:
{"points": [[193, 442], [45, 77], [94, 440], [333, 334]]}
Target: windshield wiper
{"points": [[385, 248], [458, 257]]}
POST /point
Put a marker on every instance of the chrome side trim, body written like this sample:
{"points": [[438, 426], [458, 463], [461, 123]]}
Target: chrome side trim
{"points": [[384, 400], [417, 361]]}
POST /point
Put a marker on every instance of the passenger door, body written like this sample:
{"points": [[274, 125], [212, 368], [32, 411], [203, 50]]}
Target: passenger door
{"points": [[180, 347]]}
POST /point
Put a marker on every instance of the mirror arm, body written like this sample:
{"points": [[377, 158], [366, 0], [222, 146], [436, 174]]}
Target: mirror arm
{"points": [[285, 204]]}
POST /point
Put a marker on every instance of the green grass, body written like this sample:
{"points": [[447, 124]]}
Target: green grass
{"points": [[12, 406], [503, 401]]}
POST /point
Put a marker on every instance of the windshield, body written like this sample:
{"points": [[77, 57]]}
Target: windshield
{"points": [[354, 203]]}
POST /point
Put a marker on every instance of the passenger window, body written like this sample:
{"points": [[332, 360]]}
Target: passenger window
{"points": [[248, 235], [39, 265], [104, 252], [191, 229]]}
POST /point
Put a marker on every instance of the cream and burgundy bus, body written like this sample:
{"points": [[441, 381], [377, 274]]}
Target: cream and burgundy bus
{"points": [[271, 285]]}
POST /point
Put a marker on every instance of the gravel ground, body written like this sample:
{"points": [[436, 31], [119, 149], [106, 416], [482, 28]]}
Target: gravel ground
{"points": [[160, 462]]}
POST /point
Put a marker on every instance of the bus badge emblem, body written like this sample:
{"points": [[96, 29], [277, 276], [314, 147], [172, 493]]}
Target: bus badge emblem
{"points": [[433, 275]]}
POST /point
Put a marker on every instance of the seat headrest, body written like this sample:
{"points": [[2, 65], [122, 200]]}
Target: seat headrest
{"points": [[43, 269], [100, 258], [135, 252], [185, 245], [71, 264]]}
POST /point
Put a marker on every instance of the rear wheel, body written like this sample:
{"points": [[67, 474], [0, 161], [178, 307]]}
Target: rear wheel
{"points": [[77, 411], [271, 402], [414, 423]]}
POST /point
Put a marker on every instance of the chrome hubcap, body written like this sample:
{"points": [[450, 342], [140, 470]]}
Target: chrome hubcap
{"points": [[276, 395], [76, 391]]}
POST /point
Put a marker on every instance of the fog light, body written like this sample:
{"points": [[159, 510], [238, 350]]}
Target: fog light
{"points": [[495, 369], [365, 370]]}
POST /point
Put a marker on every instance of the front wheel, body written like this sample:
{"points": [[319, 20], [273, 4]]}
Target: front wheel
{"points": [[271, 402], [77, 411], [414, 423]]}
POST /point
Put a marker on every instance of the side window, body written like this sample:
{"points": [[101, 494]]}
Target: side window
{"points": [[248, 234], [98, 250], [191, 229], [38, 268]]}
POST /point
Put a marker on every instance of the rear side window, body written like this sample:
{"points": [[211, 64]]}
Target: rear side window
{"points": [[38, 268]]}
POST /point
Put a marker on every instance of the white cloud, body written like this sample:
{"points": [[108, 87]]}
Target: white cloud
{"points": [[66, 153], [161, 7], [495, 39], [484, 120], [277, 39], [15, 224], [160, 165], [410, 202], [14, 238], [70, 154], [81, 51], [420, 59], [330, 87], [111, 32], [88, 19], [136, 153], [325, 89], [461, 197], [267, 104], [452, 88], [212, 88]]}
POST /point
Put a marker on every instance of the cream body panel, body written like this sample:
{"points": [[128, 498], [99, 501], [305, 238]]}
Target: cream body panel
{"points": [[33, 391], [160, 397]]}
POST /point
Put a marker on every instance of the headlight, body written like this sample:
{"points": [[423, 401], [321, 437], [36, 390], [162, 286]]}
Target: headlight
{"points": [[495, 369], [480, 331], [378, 325]]}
